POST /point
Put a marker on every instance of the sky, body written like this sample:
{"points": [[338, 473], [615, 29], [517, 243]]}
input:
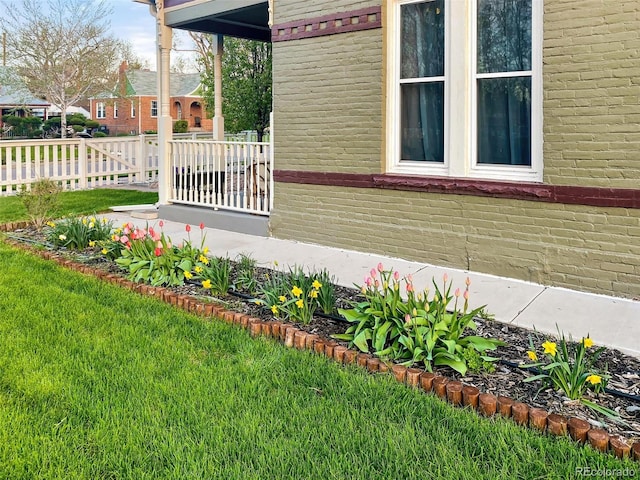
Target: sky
{"points": [[132, 21]]}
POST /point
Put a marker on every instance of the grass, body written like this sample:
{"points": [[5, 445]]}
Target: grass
{"points": [[84, 202], [98, 382]]}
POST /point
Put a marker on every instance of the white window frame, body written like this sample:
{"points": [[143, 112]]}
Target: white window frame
{"points": [[154, 107], [101, 110], [115, 109], [460, 109], [133, 109]]}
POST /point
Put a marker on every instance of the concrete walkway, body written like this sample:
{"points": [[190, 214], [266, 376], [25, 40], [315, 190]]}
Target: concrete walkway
{"points": [[610, 321]]}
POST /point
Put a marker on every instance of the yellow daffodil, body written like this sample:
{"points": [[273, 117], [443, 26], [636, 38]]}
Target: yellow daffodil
{"points": [[587, 342], [205, 250], [91, 225], [105, 251], [296, 291], [204, 259], [104, 220], [282, 298], [594, 379], [313, 293], [274, 309], [84, 221], [92, 243], [188, 275], [51, 224], [316, 284], [532, 355], [198, 269], [549, 347], [62, 237], [300, 303], [206, 283]]}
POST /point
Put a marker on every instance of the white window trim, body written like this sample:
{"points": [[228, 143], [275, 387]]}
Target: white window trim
{"points": [[115, 110], [133, 109], [459, 116], [101, 110], [156, 109]]}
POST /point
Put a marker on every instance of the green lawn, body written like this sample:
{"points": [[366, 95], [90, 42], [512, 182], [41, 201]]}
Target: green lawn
{"points": [[80, 203], [97, 382]]}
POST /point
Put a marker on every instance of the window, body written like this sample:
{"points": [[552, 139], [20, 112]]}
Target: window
{"points": [[115, 110], [101, 111], [154, 108], [465, 89], [133, 110]]}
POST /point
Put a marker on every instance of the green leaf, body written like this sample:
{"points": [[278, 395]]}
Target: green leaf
{"points": [[360, 341]]}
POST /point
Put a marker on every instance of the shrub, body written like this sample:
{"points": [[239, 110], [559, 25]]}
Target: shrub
{"points": [[99, 134], [40, 201], [417, 329], [180, 126]]}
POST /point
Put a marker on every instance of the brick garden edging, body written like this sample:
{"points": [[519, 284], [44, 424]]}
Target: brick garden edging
{"points": [[449, 390]]}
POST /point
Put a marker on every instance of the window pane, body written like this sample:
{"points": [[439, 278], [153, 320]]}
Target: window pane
{"points": [[422, 40], [422, 122], [504, 121], [504, 35]]}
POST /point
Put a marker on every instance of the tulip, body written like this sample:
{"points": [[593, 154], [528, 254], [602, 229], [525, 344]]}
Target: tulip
{"points": [[188, 228], [201, 226], [380, 267]]}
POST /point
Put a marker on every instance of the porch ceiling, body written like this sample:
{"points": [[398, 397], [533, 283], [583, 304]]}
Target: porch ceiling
{"points": [[235, 18]]}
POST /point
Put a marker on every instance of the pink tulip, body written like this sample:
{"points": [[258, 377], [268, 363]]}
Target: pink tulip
{"points": [[157, 251], [445, 277], [407, 318], [124, 239], [373, 273], [161, 224], [457, 293], [396, 276], [467, 282], [380, 267], [409, 287], [466, 295]]}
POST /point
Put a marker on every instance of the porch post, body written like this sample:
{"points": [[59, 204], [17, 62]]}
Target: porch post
{"points": [[218, 119], [165, 124]]}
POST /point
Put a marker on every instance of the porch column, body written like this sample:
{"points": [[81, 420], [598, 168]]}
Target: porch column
{"points": [[218, 119], [165, 124]]}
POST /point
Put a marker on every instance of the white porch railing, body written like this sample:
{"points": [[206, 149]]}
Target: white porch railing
{"points": [[226, 175], [78, 163]]}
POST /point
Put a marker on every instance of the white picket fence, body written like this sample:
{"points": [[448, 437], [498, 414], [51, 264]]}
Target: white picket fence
{"points": [[230, 175], [78, 163]]}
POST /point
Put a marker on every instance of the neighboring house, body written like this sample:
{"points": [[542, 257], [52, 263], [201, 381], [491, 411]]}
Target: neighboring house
{"points": [[134, 109], [56, 112], [499, 137], [15, 98]]}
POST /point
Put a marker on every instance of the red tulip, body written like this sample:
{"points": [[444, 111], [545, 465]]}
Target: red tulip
{"points": [[201, 226], [188, 228]]}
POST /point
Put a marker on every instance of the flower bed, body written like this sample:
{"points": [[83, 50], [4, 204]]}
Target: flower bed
{"points": [[502, 392]]}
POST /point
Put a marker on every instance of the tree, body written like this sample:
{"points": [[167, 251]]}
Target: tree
{"points": [[61, 48], [246, 84]]}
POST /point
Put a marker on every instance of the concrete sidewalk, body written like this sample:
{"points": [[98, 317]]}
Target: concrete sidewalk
{"points": [[610, 321]]}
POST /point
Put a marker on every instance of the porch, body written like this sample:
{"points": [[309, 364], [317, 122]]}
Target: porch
{"points": [[215, 182]]}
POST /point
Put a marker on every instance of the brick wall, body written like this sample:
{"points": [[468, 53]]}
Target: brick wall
{"points": [[143, 121], [592, 92], [328, 97]]}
